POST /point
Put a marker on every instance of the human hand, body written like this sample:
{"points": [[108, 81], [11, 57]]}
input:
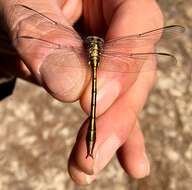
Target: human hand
{"points": [[121, 132]]}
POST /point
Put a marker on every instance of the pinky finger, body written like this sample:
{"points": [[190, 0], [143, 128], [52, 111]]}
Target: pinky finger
{"points": [[132, 156]]}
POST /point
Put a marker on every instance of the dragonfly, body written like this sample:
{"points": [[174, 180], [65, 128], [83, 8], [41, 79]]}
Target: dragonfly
{"points": [[114, 55]]}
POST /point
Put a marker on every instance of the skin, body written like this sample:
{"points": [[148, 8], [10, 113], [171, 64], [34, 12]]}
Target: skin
{"points": [[118, 106]]}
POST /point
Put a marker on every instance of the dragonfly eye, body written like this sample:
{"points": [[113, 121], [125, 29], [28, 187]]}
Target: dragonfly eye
{"points": [[92, 40]]}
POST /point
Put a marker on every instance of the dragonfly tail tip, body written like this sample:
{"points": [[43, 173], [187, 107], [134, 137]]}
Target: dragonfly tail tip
{"points": [[89, 155]]}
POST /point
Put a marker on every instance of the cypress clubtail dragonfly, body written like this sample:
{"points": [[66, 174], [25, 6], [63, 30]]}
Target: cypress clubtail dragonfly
{"points": [[121, 54]]}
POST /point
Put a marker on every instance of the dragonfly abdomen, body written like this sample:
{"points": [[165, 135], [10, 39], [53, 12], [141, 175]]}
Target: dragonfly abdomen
{"points": [[94, 46], [91, 132]]}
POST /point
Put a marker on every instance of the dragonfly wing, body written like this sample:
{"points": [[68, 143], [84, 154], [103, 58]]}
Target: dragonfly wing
{"points": [[49, 38], [48, 49], [44, 24], [146, 39], [135, 62], [68, 59]]}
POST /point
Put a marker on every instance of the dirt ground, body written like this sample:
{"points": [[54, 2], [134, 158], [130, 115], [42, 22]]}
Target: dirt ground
{"points": [[37, 132]]}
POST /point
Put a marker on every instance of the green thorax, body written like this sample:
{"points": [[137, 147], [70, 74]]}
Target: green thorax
{"points": [[94, 46]]}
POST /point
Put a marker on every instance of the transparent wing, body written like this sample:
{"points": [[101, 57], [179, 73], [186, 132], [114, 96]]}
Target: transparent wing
{"points": [[145, 39], [44, 23], [113, 58], [111, 61], [135, 62], [43, 34], [56, 51], [142, 39]]}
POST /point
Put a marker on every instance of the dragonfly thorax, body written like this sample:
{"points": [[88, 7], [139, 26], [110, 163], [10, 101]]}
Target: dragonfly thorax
{"points": [[94, 46]]}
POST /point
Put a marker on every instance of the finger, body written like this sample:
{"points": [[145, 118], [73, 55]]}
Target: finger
{"points": [[72, 10], [113, 128], [130, 18], [107, 137], [45, 60], [132, 155], [127, 19], [77, 175], [110, 85]]}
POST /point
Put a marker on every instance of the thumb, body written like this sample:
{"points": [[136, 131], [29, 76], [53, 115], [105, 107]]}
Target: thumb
{"points": [[48, 45]]}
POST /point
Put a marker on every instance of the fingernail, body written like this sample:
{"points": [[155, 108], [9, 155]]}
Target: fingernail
{"points": [[105, 153], [90, 178], [143, 167], [147, 164]]}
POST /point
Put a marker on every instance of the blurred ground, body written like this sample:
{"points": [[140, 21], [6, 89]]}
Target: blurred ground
{"points": [[37, 132]]}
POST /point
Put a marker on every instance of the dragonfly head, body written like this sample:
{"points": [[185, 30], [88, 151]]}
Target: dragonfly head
{"points": [[90, 41]]}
